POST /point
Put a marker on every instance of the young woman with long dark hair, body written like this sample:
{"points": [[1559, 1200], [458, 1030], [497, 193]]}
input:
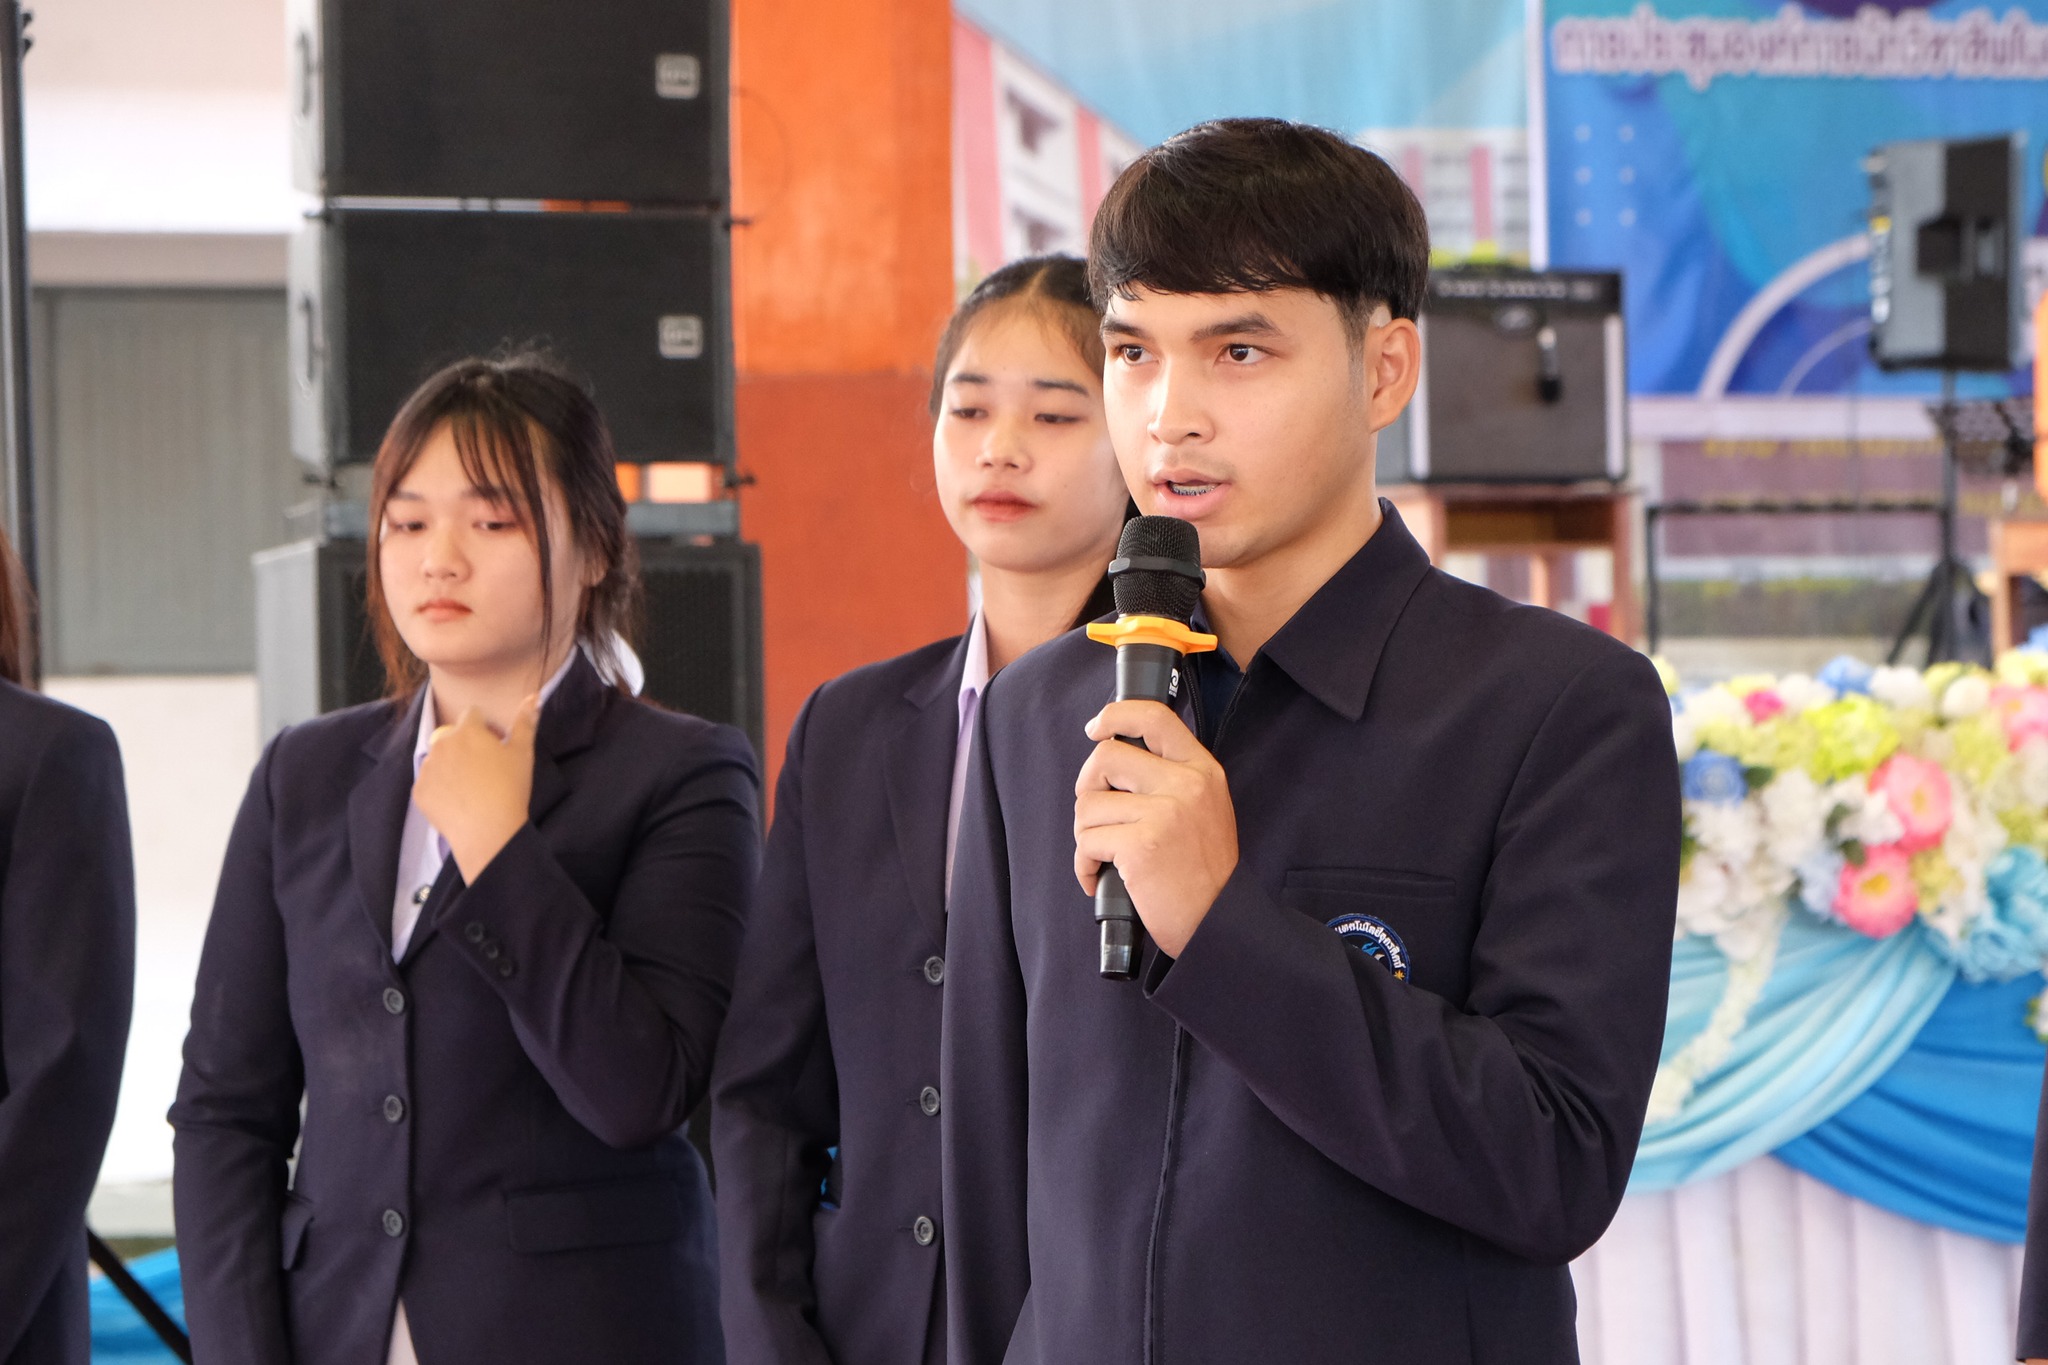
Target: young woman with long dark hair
{"points": [[67, 977], [472, 946], [826, 1112]]}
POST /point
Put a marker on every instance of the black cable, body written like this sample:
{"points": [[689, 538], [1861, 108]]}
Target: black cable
{"points": [[140, 1299]]}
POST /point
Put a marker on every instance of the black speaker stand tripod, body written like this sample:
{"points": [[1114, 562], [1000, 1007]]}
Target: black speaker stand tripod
{"points": [[1950, 611]]}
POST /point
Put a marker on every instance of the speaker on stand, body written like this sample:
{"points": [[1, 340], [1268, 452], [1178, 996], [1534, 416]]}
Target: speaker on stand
{"points": [[1947, 294]]}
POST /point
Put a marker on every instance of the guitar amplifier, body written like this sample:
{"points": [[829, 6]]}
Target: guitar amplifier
{"points": [[1524, 380]]}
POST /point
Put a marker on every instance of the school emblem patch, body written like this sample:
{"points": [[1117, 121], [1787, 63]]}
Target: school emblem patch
{"points": [[1376, 939]]}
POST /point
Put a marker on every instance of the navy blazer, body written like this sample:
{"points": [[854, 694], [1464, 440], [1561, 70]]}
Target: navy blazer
{"points": [[490, 1125], [67, 980], [2033, 1325], [1394, 1082], [834, 1034]]}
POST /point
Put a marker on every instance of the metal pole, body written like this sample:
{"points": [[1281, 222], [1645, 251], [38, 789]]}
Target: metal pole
{"points": [[18, 489]]}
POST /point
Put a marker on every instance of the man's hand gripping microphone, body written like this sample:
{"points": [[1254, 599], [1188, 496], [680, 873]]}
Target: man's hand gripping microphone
{"points": [[1157, 577]]}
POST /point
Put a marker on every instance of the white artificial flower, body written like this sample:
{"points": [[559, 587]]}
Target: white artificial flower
{"points": [[2033, 771], [1975, 836], [1717, 703], [1801, 693], [1705, 906], [1867, 815], [1730, 830], [1965, 697], [1902, 688], [1795, 818], [1684, 736]]}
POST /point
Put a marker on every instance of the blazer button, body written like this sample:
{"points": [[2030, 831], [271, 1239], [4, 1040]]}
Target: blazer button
{"points": [[394, 1223], [935, 969], [473, 931], [493, 951], [928, 1100], [394, 1000], [505, 969], [924, 1230], [394, 1109]]}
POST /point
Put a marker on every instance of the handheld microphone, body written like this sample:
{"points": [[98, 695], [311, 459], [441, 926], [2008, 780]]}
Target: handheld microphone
{"points": [[1157, 578]]}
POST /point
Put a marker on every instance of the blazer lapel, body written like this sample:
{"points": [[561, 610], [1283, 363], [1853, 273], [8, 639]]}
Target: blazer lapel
{"points": [[920, 781], [376, 818]]}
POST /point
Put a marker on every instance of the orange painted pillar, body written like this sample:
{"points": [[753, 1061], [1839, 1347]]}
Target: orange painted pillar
{"points": [[842, 278]]}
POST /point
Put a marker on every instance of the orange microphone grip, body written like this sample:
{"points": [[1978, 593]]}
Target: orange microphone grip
{"points": [[1151, 630]]}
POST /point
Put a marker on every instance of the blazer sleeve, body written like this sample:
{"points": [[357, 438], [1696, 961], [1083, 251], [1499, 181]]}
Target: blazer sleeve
{"points": [[2033, 1320], [776, 1104], [67, 977], [982, 1073], [621, 1013], [236, 1116], [1516, 1118]]}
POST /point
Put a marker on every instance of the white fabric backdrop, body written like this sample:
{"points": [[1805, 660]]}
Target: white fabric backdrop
{"points": [[1768, 1266]]}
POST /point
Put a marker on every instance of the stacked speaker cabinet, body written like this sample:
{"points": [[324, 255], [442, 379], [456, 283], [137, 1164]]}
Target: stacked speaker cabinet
{"points": [[497, 175], [1524, 380]]}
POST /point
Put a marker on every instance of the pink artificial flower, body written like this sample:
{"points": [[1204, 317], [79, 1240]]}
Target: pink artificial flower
{"points": [[1878, 898], [2022, 710], [1918, 793], [1763, 704]]}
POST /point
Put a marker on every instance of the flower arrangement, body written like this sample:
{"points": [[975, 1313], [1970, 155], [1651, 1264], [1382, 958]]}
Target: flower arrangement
{"points": [[1884, 800]]}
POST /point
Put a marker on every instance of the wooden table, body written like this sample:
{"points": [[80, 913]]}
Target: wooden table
{"points": [[1544, 522]]}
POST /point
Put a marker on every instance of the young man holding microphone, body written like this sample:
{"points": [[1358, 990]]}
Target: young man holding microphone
{"points": [[1406, 854]]}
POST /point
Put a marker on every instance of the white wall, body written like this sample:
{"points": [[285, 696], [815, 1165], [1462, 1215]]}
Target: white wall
{"points": [[187, 745], [146, 116]]}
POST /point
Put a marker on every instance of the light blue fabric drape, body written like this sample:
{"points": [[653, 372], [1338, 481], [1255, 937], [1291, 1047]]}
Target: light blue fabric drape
{"points": [[1837, 1012], [1901, 1071], [1947, 1135]]}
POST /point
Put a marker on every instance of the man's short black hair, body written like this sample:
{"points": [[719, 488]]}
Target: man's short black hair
{"points": [[1250, 204]]}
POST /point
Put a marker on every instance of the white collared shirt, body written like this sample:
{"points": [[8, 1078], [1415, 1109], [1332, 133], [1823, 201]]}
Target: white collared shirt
{"points": [[973, 682]]}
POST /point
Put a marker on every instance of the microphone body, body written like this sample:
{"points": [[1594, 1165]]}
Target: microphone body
{"points": [[1158, 579]]}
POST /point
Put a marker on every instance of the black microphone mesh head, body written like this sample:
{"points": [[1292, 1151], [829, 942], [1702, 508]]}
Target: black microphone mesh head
{"points": [[1158, 592]]}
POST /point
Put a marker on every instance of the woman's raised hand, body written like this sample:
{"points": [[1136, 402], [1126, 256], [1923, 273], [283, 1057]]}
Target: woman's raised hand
{"points": [[474, 786]]}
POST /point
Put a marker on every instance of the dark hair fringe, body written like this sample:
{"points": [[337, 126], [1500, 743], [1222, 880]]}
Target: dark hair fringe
{"points": [[494, 407], [1056, 286], [1247, 205], [17, 616]]}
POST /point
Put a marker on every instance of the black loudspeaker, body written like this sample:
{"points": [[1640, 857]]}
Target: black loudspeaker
{"points": [[1524, 380], [700, 642], [511, 99], [636, 303], [1946, 288], [314, 653]]}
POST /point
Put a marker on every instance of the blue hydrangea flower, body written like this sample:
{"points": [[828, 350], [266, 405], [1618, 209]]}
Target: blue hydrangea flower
{"points": [[2011, 937], [1713, 777], [1846, 673], [1820, 876], [2037, 638]]}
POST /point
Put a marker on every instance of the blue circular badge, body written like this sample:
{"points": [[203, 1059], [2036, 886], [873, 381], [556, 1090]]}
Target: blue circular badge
{"points": [[1376, 940]]}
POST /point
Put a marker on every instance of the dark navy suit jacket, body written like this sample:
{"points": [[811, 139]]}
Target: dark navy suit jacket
{"points": [[1271, 1148], [67, 979], [834, 1034], [491, 1124], [2033, 1338]]}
